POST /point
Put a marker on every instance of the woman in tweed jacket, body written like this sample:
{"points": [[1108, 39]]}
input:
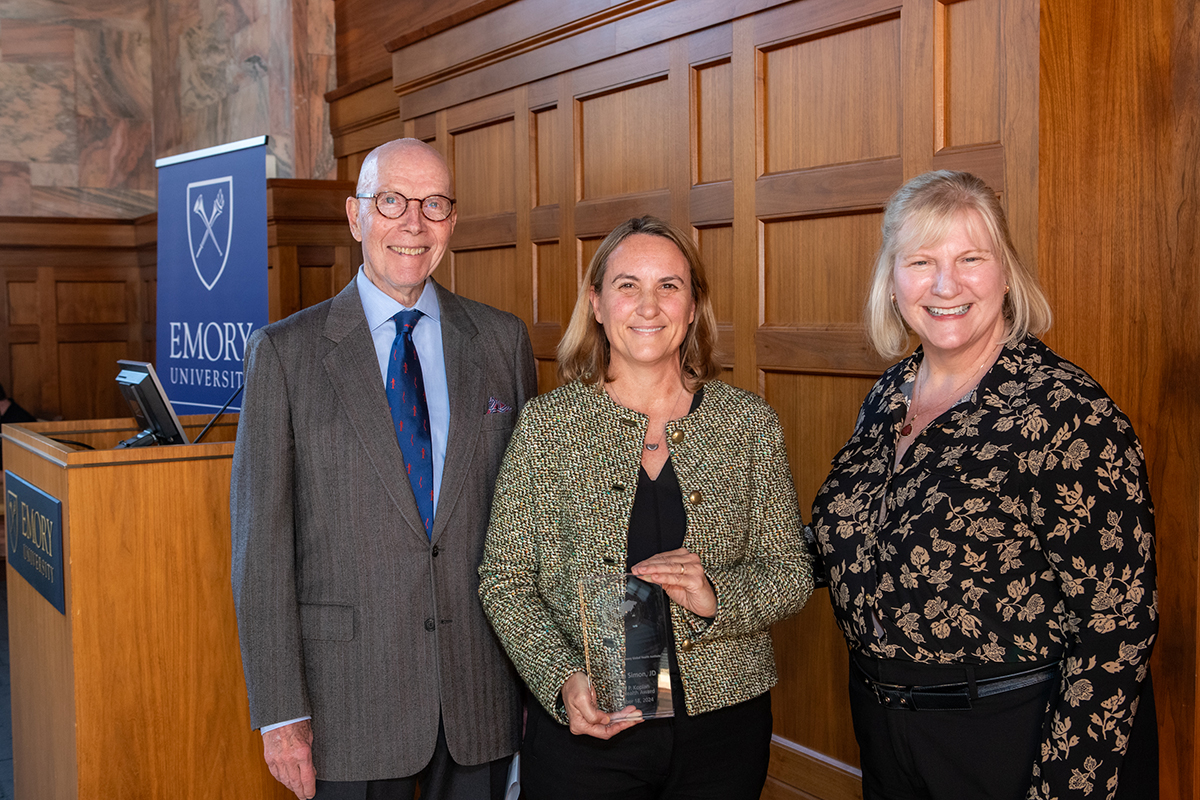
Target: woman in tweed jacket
{"points": [[642, 462]]}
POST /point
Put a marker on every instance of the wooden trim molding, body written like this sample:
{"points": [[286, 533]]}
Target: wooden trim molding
{"points": [[450, 68], [841, 350], [533, 40], [449, 21], [819, 775]]}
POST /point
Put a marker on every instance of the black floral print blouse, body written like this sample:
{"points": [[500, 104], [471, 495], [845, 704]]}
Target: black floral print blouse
{"points": [[1017, 527]]}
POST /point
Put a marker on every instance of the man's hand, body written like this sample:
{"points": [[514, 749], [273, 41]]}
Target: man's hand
{"points": [[288, 753]]}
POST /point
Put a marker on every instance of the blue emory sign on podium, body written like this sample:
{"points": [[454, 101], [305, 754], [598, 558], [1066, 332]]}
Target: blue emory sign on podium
{"points": [[33, 528], [212, 270]]}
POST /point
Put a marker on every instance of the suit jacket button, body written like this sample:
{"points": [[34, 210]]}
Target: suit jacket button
{"points": [[429, 624], [435, 551], [630, 422], [618, 487], [685, 645], [676, 437], [695, 498]]}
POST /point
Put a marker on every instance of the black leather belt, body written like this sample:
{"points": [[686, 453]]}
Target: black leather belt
{"points": [[950, 696]]}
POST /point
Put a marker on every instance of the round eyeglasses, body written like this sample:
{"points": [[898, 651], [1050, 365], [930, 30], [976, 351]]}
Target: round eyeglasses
{"points": [[392, 205]]}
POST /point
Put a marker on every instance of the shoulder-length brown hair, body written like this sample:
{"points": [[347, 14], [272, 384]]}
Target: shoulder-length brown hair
{"points": [[921, 212], [583, 352]]}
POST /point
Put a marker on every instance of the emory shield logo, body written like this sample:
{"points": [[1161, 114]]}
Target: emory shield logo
{"points": [[210, 227], [12, 511]]}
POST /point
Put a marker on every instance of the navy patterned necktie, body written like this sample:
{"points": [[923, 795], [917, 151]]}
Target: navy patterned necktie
{"points": [[410, 413]]}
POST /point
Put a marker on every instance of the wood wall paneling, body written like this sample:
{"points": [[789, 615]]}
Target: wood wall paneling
{"points": [[25, 385], [714, 122], [969, 70], [74, 303], [311, 254], [716, 249], [556, 286], [621, 153], [1119, 188], [864, 185], [681, 128], [484, 177], [545, 130], [81, 302], [817, 413], [92, 365], [819, 775], [745, 261], [475, 59], [829, 283], [487, 276], [22, 303], [364, 28], [547, 374], [834, 98]]}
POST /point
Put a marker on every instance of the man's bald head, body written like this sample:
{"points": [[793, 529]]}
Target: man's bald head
{"points": [[368, 175]]}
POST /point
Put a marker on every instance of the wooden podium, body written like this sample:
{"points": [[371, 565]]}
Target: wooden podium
{"points": [[137, 690]]}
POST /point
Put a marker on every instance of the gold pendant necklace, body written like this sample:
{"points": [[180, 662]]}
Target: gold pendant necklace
{"points": [[956, 394]]}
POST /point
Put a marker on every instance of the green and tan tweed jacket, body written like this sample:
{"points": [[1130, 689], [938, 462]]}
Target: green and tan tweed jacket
{"points": [[562, 507]]}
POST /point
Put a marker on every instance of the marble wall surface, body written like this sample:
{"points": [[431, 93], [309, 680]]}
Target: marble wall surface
{"points": [[76, 117], [93, 91], [230, 69]]}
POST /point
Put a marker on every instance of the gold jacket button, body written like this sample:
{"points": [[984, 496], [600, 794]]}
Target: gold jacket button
{"points": [[686, 645], [695, 497], [676, 437]]}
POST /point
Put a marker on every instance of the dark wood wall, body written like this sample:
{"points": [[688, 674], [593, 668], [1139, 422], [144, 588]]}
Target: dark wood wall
{"points": [[78, 295], [776, 131], [1119, 249]]}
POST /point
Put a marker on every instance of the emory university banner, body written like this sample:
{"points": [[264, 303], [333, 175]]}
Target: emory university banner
{"points": [[212, 270]]}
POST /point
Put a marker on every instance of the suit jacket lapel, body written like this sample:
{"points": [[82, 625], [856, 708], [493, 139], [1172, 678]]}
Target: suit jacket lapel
{"points": [[353, 371], [465, 380]]}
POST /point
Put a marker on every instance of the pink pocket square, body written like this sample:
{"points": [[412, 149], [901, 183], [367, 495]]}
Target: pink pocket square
{"points": [[497, 407]]}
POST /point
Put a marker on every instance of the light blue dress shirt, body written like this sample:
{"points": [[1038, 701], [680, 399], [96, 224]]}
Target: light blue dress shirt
{"points": [[427, 336]]}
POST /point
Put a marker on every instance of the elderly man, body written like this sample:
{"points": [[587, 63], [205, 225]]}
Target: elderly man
{"points": [[373, 427]]}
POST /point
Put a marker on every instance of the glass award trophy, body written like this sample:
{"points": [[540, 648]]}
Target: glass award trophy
{"points": [[625, 645]]}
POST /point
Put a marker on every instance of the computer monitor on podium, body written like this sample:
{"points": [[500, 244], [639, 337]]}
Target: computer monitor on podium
{"points": [[150, 405]]}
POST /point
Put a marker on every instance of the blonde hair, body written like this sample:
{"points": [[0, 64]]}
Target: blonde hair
{"points": [[583, 351], [922, 211]]}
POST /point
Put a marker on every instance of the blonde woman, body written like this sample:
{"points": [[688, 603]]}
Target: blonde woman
{"points": [[987, 532]]}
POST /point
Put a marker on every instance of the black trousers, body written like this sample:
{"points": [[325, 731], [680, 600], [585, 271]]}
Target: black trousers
{"points": [[441, 779], [984, 753], [721, 755]]}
